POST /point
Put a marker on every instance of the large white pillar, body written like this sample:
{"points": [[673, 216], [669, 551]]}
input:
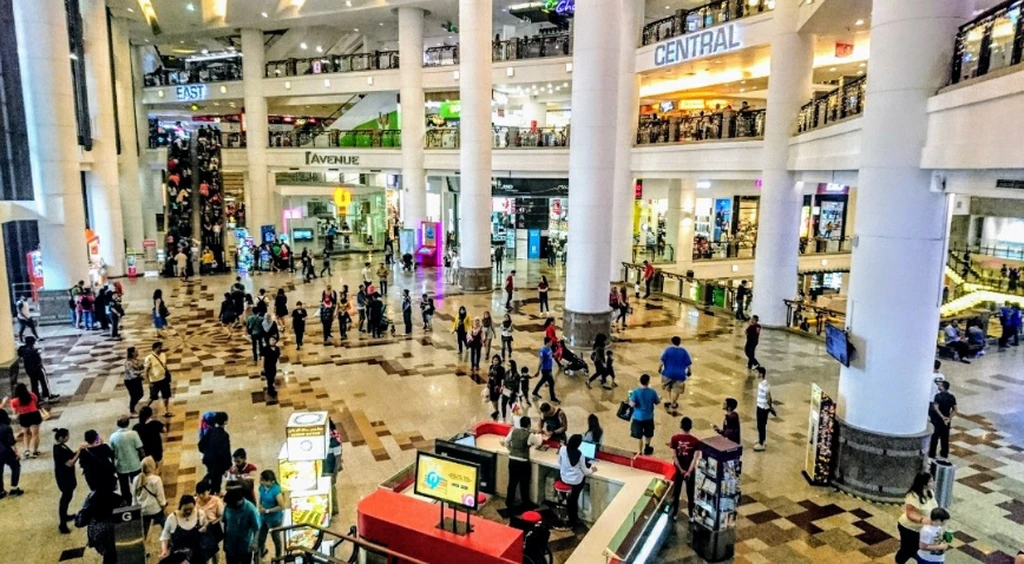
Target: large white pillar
{"points": [[43, 56], [680, 220], [412, 115], [627, 115], [475, 21], [7, 346], [595, 86], [128, 161], [152, 199], [897, 266], [535, 111], [257, 138], [778, 231], [102, 182]]}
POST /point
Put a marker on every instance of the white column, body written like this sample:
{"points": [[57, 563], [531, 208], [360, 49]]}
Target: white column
{"points": [[627, 114], [43, 56], [257, 138], [778, 232], [680, 223], [534, 111], [7, 345], [412, 115], [595, 86], [897, 266], [475, 20], [103, 182], [152, 200], [128, 161]]}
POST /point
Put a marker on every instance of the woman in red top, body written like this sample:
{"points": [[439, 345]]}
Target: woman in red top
{"points": [[26, 405], [549, 332]]}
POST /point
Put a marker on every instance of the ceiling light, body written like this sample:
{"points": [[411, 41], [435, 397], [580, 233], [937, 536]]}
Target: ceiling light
{"points": [[832, 69], [355, 29], [205, 51], [264, 14], [860, 72], [668, 7], [348, 3], [74, 57], [319, 48], [327, 83], [862, 65], [303, 46], [858, 22], [223, 89], [369, 80], [131, 11], [565, 84], [190, 7], [381, 24]]}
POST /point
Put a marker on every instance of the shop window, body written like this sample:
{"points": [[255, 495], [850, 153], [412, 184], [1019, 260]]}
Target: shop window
{"points": [[15, 163], [1004, 30], [78, 78], [970, 57]]}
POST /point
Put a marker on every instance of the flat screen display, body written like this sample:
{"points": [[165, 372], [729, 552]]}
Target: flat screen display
{"points": [[589, 450], [450, 481], [468, 440], [486, 461], [302, 234], [836, 344]]}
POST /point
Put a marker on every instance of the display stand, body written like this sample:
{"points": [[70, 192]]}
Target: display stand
{"points": [[300, 469], [820, 438], [430, 244], [453, 525], [717, 493]]}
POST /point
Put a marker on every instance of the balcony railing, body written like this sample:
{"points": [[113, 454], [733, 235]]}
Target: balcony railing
{"points": [[826, 245], [714, 13], [992, 41], [708, 127], [839, 104], [503, 137], [359, 138], [201, 72], [809, 318], [330, 64], [726, 250], [443, 55], [533, 47]]}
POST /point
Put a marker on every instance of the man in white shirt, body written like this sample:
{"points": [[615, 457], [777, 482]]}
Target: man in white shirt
{"points": [[181, 264], [518, 442], [25, 320], [764, 408], [367, 275]]}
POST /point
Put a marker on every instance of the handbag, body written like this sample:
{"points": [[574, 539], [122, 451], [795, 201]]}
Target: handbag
{"points": [[167, 373], [625, 411], [44, 414]]}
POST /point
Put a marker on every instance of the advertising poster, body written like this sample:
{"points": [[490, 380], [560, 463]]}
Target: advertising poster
{"points": [[446, 480]]}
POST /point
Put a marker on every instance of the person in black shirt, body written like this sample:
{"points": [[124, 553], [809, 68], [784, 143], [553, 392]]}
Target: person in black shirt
{"points": [[97, 462], [753, 335], [407, 311], [742, 293], [151, 431], [271, 354], [299, 316], [9, 456], [375, 306], [941, 415], [731, 426], [64, 471], [32, 362], [216, 448]]}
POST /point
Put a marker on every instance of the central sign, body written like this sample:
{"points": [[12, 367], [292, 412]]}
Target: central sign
{"points": [[190, 92], [709, 42], [342, 160]]}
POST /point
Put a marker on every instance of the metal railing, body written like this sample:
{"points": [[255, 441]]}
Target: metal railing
{"points": [[362, 550], [992, 41], [973, 275], [533, 47], [443, 55], [839, 104], [664, 255], [331, 64], [1006, 250], [711, 126], [358, 138], [802, 316], [718, 293], [825, 245], [726, 250], [711, 14], [199, 72], [502, 137]]}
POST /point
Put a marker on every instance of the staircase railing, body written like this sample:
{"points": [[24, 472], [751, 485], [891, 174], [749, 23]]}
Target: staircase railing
{"points": [[316, 553]]}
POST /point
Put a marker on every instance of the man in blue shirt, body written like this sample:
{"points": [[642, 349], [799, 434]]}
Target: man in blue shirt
{"points": [[643, 400], [674, 370], [544, 369], [241, 525]]}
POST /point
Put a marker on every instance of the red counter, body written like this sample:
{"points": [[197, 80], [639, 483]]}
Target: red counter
{"points": [[408, 525]]}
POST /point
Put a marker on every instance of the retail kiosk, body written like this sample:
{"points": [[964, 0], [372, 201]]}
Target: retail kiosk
{"points": [[625, 504], [430, 244], [300, 471]]}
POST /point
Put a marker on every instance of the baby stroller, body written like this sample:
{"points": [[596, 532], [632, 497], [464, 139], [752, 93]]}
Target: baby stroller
{"points": [[572, 363], [385, 321]]}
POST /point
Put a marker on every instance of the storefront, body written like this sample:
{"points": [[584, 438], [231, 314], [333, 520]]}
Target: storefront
{"points": [[824, 213]]}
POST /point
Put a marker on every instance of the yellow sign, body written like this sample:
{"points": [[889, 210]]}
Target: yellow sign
{"points": [[446, 480], [342, 199]]}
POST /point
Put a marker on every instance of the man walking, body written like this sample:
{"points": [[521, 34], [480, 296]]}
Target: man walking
{"points": [[128, 453], [518, 442], [158, 376], [753, 336], [687, 452], [674, 370], [544, 369], [648, 277], [25, 320], [941, 415], [32, 362], [241, 525], [510, 286], [643, 400], [742, 295], [764, 407], [499, 258]]}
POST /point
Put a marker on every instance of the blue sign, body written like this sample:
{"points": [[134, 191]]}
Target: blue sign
{"points": [[533, 245], [190, 92]]}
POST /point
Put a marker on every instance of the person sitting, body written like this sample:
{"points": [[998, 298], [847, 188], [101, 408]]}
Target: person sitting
{"points": [[955, 343]]}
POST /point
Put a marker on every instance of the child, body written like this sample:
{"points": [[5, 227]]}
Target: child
{"points": [[609, 370], [933, 545], [427, 309], [524, 381]]}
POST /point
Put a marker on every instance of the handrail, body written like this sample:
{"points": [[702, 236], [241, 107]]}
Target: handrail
{"points": [[825, 245], [532, 47], [442, 55], [356, 541], [332, 64], [701, 17], [199, 72], [711, 126], [796, 319], [503, 137], [978, 51], [845, 101], [327, 138]]}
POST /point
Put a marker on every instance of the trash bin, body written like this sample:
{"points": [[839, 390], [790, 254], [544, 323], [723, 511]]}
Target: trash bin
{"points": [[945, 476], [128, 538]]}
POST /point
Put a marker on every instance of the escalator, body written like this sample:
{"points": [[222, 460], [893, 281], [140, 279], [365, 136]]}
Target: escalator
{"points": [[310, 544], [970, 287]]}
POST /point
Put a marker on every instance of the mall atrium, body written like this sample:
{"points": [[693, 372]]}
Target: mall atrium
{"points": [[271, 299]]}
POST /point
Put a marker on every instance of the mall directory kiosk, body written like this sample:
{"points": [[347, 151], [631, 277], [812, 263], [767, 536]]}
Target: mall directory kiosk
{"points": [[300, 471], [717, 493], [430, 244]]}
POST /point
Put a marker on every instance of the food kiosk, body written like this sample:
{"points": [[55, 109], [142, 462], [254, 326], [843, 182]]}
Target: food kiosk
{"points": [[300, 471]]}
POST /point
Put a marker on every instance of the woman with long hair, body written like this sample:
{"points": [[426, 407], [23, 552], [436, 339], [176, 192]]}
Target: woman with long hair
{"points": [[506, 335], [488, 324], [280, 307], [26, 406], [212, 506], [148, 491], [917, 509], [461, 328], [64, 470], [271, 512], [594, 434], [542, 292], [495, 382], [160, 312], [573, 470], [181, 539], [475, 340]]}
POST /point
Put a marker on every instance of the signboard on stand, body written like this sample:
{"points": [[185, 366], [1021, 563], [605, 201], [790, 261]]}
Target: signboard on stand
{"points": [[820, 435]]}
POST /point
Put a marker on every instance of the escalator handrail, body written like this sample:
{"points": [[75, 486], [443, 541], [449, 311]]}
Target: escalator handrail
{"points": [[356, 541]]}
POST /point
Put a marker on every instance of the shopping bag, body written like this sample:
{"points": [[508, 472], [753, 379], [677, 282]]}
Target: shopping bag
{"points": [[625, 411]]}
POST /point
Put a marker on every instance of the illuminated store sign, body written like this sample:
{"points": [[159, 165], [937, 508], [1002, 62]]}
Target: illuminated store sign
{"points": [[561, 7], [714, 41], [318, 159], [190, 92]]}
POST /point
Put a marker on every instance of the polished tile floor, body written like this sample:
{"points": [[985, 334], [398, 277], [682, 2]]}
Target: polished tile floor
{"points": [[393, 395]]}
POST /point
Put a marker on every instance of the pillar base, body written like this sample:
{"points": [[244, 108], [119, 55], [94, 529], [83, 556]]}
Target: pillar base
{"points": [[581, 329], [476, 279], [9, 375], [876, 466]]}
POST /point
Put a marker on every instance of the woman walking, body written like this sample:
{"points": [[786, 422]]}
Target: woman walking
{"points": [[148, 492], [495, 384], [212, 506], [227, 315], [506, 335], [133, 369], [271, 512], [280, 308], [573, 470], [542, 292], [95, 514], [917, 509], [599, 357], [26, 406], [461, 328], [64, 460], [160, 313], [488, 323], [623, 306], [475, 341], [181, 539]]}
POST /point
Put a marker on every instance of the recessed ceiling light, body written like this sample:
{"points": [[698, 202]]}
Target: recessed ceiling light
{"points": [[355, 29], [319, 48], [382, 24], [264, 14], [182, 42], [131, 11], [303, 45], [190, 7], [858, 22], [668, 7], [348, 3], [862, 65], [832, 69], [205, 51], [565, 84]]}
